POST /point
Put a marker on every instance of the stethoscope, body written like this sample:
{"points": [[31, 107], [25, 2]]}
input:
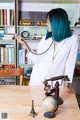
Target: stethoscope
{"points": [[34, 52]]}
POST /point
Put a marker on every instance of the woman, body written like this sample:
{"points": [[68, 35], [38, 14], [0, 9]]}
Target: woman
{"points": [[60, 58]]}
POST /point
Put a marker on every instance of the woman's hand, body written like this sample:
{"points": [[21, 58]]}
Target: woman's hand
{"points": [[70, 89], [18, 38]]}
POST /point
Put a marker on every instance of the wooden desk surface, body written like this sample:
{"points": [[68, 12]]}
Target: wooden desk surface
{"points": [[16, 101]]}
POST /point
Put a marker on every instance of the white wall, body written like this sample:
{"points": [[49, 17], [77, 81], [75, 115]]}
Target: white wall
{"points": [[43, 6]]}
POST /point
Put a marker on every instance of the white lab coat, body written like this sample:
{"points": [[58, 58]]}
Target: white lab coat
{"points": [[54, 63]]}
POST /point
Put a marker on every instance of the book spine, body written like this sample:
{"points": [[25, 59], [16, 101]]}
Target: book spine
{"points": [[1, 16], [13, 54], [4, 55], [7, 55], [0, 54], [8, 17], [5, 17], [12, 17], [20, 57], [10, 56]]}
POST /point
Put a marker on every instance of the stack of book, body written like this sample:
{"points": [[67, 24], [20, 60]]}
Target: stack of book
{"points": [[6, 17], [8, 37], [7, 54]]}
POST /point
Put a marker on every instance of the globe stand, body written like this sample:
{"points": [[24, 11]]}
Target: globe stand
{"points": [[49, 114], [56, 96], [59, 101]]}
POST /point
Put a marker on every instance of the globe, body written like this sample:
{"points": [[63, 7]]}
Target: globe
{"points": [[49, 104]]}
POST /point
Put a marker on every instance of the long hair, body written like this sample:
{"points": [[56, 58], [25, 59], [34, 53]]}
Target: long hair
{"points": [[60, 25]]}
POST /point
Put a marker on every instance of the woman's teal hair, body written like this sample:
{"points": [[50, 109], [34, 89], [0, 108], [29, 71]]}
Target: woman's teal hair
{"points": [[60, 25]]}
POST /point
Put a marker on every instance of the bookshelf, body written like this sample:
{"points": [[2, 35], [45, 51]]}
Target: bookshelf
{"points": [[7, 31], [8, 45]]}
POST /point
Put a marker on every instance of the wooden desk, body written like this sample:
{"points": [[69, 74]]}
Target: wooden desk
{"points": [[16, 101]]}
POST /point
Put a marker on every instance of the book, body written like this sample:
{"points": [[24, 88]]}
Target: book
{"points": [[3, 54], [8, 35], [11, 17], [10, 54], [4, 16], [1, 16], [8, 17], [7, 38], [22, 56]]}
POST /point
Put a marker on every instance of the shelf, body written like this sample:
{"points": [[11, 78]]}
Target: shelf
{"points": [[45, 26], [7, 42], [6, 4], [33, 31], [75, 26], [6, 1], [50, 1], [31, 26]]}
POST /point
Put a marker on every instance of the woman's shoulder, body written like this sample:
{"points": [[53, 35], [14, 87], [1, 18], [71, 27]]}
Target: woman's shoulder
{"points": [[74, 38]]}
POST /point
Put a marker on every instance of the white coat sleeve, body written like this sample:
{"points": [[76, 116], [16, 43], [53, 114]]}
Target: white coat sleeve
{"points": [[71, 60], [32, 57]]}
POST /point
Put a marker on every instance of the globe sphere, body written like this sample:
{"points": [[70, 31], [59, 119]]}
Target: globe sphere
{"points": [[49, 104]]}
